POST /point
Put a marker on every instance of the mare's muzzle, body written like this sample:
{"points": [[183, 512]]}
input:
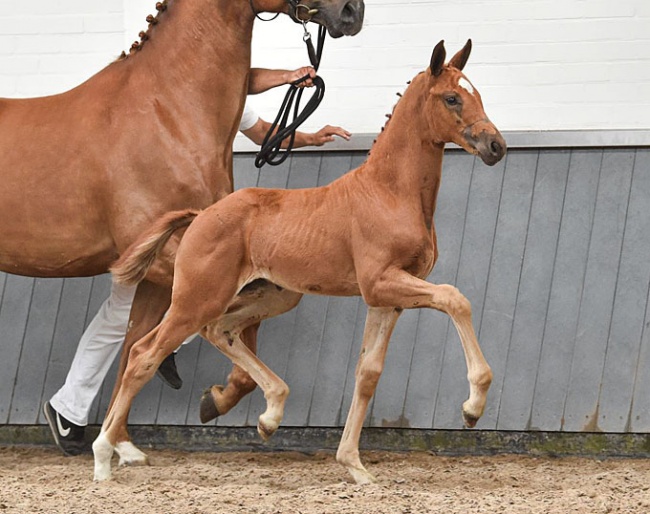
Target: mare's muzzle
{"points": [[342, 18]]}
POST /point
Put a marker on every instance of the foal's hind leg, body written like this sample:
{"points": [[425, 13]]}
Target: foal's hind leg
{"points": [[150, 303], [275, 390], [144, 359], [380, 322], [219, 400], [257, 301]]}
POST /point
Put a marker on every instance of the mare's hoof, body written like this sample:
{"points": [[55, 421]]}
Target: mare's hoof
{"points": [[470, 421], [207, 408]]}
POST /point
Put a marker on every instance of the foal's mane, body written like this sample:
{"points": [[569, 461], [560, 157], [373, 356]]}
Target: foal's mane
{"points": [[389, 116], [144, 35]]}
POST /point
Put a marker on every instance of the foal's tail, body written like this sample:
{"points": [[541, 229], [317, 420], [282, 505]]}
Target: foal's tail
{"points": [[133, 265]]}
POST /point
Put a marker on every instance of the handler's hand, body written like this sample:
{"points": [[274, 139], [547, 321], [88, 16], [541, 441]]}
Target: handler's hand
{"points": [[327, 133], [292, 76]]}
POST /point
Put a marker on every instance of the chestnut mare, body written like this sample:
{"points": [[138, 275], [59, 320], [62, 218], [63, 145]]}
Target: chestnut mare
{"points": [[86, 171], [253, 254]]}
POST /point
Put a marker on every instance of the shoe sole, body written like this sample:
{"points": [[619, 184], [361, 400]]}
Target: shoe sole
{"points": [[53, 428]]}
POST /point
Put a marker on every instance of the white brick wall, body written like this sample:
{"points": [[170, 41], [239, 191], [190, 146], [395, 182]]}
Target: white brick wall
{"points": [[540, 64], [48, 46]]}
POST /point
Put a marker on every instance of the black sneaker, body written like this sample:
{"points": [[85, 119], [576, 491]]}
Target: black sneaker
{"points": [[67, 436], [168, 373]]}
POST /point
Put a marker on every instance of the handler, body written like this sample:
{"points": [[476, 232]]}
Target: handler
{"points": [[67, 411]]}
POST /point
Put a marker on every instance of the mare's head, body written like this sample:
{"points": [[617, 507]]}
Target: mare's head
{"points": [[340, 17], [455, 108]]}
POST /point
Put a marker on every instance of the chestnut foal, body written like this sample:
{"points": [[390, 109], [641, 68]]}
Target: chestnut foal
{"points": [[370, 233]]}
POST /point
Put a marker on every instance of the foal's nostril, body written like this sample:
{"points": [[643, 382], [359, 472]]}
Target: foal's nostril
{"points": [[496, 148]]}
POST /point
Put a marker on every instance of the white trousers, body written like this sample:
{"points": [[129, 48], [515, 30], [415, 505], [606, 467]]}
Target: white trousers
{"points": [[97, 349]]}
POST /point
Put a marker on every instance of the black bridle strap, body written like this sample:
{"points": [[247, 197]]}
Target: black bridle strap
{"points": [[271, 151]]}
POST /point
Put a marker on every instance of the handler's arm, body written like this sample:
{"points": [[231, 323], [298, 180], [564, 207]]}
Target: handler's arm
{"points": [[325, 135], [262, 79]]}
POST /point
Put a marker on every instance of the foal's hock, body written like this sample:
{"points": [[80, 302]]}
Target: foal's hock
{"points": [[370, 233]]}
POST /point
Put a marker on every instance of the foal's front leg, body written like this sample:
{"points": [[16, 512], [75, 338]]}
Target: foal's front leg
{"points": [[399, 288], [380, 322]]}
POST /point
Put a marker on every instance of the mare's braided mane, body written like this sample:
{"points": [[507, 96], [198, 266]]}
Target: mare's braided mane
{"points": [[144, 35]]}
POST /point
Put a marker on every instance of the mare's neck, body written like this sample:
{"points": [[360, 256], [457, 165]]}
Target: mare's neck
{"points": [[405, 158], [200, 48]]}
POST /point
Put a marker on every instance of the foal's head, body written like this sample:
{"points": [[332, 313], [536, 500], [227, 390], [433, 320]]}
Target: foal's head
{"points": [[455, 108]]}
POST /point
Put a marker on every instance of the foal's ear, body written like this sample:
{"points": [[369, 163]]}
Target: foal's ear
{"points": [[459, 60], [438, 58]]}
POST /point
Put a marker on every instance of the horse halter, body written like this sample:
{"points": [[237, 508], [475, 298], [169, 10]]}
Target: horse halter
{"points": [[297, 7]]}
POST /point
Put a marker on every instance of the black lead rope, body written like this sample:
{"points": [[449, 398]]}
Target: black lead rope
{"points": [[271, 151]]}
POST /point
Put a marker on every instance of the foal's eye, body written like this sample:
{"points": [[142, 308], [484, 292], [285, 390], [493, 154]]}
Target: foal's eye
{"points": [[451, 100]]}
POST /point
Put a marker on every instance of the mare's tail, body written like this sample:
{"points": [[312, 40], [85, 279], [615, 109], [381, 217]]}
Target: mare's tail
{"points": [[133, 265]]}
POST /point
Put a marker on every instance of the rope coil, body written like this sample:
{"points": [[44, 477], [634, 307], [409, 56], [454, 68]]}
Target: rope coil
{"points": [[271, 151]]}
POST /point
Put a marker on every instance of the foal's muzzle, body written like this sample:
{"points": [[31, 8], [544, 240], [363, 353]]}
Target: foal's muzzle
{"points": [[487, 141]]}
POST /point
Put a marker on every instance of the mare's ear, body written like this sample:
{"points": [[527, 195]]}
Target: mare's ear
{"points": [[438, 58], [459, 60]]}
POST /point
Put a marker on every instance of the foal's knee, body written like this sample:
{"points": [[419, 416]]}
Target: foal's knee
{"points": [[455, 302], [368, 377]]}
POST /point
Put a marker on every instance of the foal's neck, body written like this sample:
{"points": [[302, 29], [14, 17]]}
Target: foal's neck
{"points": [[405, 156]]}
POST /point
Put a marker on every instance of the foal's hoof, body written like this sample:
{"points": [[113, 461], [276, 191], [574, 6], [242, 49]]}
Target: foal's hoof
{"points": [[207, 408], [470, 420], [362, 476], [265, 430], [130, 455]]}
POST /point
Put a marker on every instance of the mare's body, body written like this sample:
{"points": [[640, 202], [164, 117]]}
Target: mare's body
{"points": [[86, 171]]}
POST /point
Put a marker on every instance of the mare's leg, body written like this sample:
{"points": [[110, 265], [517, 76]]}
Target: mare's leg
{"points": [[275, 390], [380, 322], [403, 290], [150, 303], [144, 358]]}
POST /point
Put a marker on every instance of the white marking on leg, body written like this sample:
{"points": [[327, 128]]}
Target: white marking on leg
{"points": [[130, 455], [103, 451]]}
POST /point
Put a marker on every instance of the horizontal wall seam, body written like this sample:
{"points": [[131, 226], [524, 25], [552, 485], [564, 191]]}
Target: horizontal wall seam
{"points": [[514, 138]]}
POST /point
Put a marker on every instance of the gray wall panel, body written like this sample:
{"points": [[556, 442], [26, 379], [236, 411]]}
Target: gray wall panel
{"points": [[300, 373], [594, 320], [518, 376], [550, 247], [630, 303], [554, 367], [30, 378], [14, 312], [335, 350], [640, 408], [304, 170]]}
